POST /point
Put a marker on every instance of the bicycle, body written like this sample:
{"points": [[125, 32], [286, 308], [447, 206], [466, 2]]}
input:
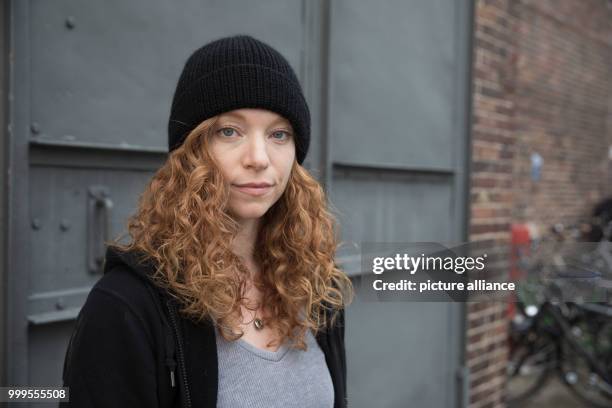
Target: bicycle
{"points": [[573, 339]]}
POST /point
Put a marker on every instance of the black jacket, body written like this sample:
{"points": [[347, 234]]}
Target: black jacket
{"points": [[131, 348]]}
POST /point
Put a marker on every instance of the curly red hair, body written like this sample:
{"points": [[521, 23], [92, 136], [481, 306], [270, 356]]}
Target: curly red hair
{"points": [[183, 224]]}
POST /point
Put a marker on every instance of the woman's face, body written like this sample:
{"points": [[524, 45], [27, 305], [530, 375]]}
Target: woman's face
{"points": [[255, 150]]}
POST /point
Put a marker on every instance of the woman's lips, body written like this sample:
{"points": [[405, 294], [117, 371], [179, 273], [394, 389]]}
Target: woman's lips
{"points": [[254, 191]]}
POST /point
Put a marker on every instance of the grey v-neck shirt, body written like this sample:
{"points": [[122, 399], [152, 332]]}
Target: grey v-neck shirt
{"points": [[250, 377]]}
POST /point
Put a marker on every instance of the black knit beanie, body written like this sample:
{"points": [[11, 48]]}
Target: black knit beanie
{"points": [[232, 73]]}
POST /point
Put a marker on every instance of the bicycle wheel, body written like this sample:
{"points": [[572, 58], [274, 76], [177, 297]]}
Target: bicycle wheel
{"points": [[531, 359]]}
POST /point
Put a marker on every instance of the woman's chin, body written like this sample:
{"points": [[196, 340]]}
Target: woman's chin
{"points": [[251, 213]]}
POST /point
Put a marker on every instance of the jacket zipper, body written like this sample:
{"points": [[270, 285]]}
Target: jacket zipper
{"points": [[170, 361], [170, 352], [181, 357]]}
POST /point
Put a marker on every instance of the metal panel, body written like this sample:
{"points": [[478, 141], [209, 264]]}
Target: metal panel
{"points": [[392, 83], [393, 206], [60, 223], [17, 249], [397, 149], [394, 359], [3, 191], [48, 344], [104, 72]]}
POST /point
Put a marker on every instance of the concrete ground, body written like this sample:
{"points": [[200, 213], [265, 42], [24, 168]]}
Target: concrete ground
{"points": [[554, 395]]}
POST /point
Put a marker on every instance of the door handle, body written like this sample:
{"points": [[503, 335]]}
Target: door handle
{"points": [[99, 207]]}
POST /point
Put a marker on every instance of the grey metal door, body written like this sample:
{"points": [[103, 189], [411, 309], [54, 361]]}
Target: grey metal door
{"points": [[90, 92], [397, 143]]}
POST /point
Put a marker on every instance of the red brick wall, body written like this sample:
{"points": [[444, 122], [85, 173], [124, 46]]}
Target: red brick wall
{"points": [[486, 353], [542, 83], [493, 153], [563, 89]]}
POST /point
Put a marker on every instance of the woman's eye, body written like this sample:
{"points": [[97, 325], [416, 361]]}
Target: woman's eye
{"points": [[227, 132], [280, 135]]}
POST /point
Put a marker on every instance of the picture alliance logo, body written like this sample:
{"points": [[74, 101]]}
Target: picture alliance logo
{"points": [[480, 285]]}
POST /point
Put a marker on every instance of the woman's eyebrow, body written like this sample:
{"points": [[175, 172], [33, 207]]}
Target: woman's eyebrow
{"points": [[282, 121], [229, 115]]}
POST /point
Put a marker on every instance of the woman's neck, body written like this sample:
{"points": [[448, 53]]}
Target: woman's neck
{"points": [[243, 244]]}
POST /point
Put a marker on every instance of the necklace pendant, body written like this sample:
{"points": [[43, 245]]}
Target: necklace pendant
{"points": [[258, 323]]}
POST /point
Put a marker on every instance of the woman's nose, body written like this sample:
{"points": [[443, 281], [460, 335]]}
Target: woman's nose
{"points": [[256, 153]]}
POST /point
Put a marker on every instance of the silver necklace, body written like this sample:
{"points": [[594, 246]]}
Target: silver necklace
{"points": [[257, 322]]}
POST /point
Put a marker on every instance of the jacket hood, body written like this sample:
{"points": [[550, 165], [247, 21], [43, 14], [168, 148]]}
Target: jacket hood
{"points": [[136, 262]]}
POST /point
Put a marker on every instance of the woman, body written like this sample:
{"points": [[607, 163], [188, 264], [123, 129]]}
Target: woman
{"points": [[227, 294]]}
